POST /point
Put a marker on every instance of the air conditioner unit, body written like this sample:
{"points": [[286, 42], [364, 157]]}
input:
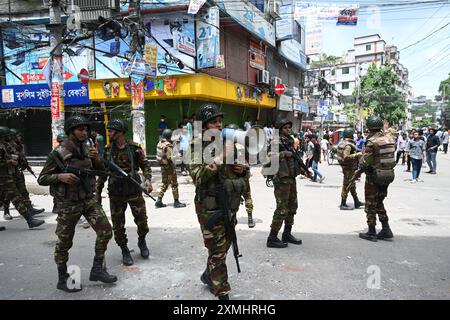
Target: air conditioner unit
{"points": [[274, 9], [263, 77], [276, 81]]}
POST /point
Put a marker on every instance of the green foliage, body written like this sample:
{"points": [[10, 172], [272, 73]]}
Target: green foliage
{"points": [[352, 113], [444, 88], [327, 61], [379, 94]]}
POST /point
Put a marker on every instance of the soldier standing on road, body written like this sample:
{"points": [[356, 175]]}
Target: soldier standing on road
{"points": [[168, 171], [9, 191], [129, 156], [75, 197], [348, 159], [206, 177], [377, 162], [285, 191], [59, 138], [16, 149]]}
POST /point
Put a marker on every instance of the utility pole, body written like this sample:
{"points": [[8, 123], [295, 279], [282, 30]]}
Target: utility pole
{"points": [[358, 93], [57, 81], [137, 83]]}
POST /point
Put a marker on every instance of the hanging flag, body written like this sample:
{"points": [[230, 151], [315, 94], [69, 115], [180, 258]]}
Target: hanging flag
{"points": [[46, 71], [195, 5]]}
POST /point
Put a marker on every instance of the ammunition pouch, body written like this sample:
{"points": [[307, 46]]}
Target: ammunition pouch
{"points": [[383, 177]]}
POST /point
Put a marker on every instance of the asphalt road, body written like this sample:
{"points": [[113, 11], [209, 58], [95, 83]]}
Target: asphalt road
{"points": [[332, 263]]}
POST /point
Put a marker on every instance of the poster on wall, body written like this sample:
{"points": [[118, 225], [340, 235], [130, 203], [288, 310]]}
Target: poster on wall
{"points": [[26, 52], [313, 38], [285, 26], [293, 51], [257, 58], [208, 38]]}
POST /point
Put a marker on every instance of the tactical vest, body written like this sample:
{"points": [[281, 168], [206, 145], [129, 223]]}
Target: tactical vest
{"points": [[5, 169], [68, 155], [288, 166], [340, 153], [383, 159], [161, 152], [119, 186]]}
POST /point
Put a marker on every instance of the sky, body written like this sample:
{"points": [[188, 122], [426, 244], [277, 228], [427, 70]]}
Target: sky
{"points": [[428, 62]]}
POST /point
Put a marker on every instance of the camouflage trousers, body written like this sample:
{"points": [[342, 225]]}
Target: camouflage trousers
{"points": [[286, 198], [118, 206], [69, 214], [374, 202], [169, 177], [248, 197], [348, 174], [217, 244], [9, 192]]}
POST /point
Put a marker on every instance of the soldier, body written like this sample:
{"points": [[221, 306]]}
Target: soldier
{"points": [[16, 148], [206, 177], [168, 171], [59, 138], [247, 197], [129, 156], [75, 197], [377, 162], [8, 186], [285, 190], [348, 159]]}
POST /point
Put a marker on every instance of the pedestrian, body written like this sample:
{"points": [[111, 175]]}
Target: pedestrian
{"points": [[130, 157], [360, 142], [377, 162], [285, 189], [415, 149], [168, 172], [247, 124], [347, 156], [309, 150], [207, 176], [75, 197], [99, 142], [401, 146], [324, 147], [316, 160], [445, 139], [184, 141], [9, 190], [432, 145], [162, 125]]}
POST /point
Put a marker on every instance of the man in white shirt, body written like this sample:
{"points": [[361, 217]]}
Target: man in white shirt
{"points": [[445, 138], [402, 141], [247, 124], [324, 147]]}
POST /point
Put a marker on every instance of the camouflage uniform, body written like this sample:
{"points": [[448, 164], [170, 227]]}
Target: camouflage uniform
{"points": [[168, 173], [216, 240], [248, 201], [377, 162], [348, 164], [74, 201], [121, 192]]}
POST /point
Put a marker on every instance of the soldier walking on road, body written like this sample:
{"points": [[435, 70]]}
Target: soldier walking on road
{"points": [[206, 177], [168, 171], [129, 156], [377, 162], [285, 190], [348, 159], [9, 191], [75, 197]]}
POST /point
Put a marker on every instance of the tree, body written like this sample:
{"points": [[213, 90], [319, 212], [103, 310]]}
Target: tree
{"points": [[351, 112], [378, 93], [444, 88], [327, 61]]}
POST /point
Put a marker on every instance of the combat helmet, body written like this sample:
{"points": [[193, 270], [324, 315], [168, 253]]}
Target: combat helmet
{"points": [[166, 134], [207, 112], [61, 137], [74, 122], [348, 133], [282, 122], [14, 132], [117, 124], [4, 131], [374, 123]]}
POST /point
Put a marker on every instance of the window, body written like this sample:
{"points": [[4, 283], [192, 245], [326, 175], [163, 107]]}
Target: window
{"points": [[345, 85], [258, 4], [333, 72], [322, 73], [333, 87], [346, 70], [368, 47]]}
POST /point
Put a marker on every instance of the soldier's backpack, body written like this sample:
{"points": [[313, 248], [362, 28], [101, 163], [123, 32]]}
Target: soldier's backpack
{"points": [[384, 160], [339, 156]]}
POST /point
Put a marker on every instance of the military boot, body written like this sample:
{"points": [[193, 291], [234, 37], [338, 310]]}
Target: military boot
{"points": [[206, 279], [251, 223], [32, 222], [6, 214], [99, 273], [358, 204], [288, 237], [34, 211], [178, 204], [385, 233], [159, 203], [143, 247], [274, 242], [370, 235], [344, 205], [2, 228], [63, 276], [126, 256]]}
